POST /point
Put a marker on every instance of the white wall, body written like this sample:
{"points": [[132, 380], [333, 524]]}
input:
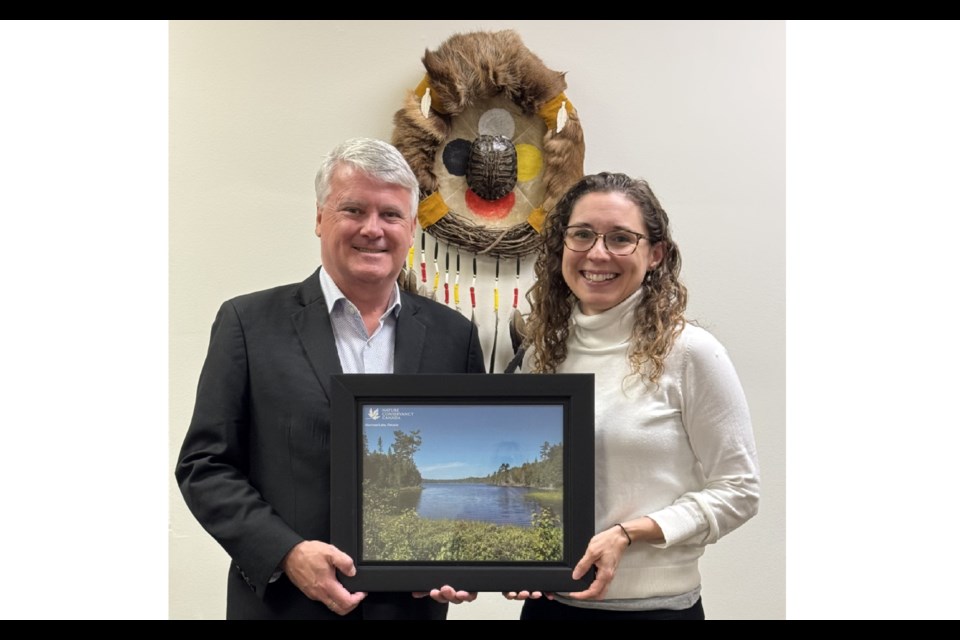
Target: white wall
{"points": [[696, 108]]}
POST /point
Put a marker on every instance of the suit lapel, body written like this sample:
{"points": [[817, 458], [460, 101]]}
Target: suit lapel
{"points": [[410, 338], [313, 327]]}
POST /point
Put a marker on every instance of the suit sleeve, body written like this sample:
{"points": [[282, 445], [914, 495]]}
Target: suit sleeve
{"points": [[213, 463]]}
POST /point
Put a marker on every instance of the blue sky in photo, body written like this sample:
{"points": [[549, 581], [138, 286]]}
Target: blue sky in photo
{"points": [[465, 441]]}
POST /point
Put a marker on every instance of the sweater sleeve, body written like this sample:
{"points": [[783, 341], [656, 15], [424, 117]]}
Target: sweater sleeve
{"points": [[717, 421]]}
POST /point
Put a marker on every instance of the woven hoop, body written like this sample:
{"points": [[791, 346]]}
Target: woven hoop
{"points": [[472, 67]]}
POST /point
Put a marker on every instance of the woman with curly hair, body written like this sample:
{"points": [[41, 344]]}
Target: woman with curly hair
{"points": [[676, 464]]}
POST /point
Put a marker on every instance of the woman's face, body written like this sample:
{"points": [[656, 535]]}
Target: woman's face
{"points": [[599, 279]]}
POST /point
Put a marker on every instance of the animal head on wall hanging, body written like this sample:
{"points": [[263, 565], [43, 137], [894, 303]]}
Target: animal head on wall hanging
{"points": [[494, 142]]}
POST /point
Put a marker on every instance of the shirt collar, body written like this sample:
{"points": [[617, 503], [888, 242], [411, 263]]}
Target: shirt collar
{"points": [[333, 295]]}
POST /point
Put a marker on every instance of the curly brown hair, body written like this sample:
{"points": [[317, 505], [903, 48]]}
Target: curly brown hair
{"points": [[658, 317]]}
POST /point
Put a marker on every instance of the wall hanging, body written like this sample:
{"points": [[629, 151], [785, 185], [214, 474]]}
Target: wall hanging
{"points": [[494, 142]]}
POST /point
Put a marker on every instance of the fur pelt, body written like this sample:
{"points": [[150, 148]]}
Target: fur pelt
{"points": [[473, 66]]}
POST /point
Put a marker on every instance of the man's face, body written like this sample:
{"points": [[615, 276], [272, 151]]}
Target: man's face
{"points": [[366, 229]]}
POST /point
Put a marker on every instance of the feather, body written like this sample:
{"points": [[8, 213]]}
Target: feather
{"points": [[456, 284], [446, 278], [425, 103], [422, 289], [516, 329], [516, 318], [436, 270], [473, 295], [561, 116], [496, 316]]}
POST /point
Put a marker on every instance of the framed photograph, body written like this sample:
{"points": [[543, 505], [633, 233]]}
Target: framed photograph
{"points": [[482, 482]]}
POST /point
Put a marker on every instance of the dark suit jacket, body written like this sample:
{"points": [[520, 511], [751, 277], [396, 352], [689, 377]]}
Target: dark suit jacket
{"points": [[254, 467]]}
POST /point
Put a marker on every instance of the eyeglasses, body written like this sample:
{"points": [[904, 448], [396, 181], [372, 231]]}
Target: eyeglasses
{"points": [[619, 242]]}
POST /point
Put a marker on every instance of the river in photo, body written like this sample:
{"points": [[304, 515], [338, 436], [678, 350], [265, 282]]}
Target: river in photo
{"points": [[483, 502]]}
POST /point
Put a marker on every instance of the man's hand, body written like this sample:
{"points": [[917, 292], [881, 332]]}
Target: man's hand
{"points": [[312, 565], [448, 594]]}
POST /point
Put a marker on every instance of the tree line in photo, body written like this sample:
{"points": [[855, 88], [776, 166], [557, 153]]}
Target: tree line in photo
{"points": [[543, 473], [396, 467]]}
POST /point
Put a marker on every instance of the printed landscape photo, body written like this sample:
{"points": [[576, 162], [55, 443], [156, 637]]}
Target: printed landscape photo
{"points": [[441, 484]]}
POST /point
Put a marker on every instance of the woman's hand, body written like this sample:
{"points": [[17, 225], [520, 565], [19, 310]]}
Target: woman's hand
{"points": [[447, 594], [526, 595], [604, 552]]}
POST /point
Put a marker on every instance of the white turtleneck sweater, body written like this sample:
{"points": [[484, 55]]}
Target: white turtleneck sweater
{"points": [[681, 453]]}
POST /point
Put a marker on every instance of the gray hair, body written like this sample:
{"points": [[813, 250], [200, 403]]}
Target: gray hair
{"points": [[375, 158]]}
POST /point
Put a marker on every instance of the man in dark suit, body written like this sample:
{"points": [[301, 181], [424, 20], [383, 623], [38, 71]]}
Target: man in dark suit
{"points": [[254, 466]]}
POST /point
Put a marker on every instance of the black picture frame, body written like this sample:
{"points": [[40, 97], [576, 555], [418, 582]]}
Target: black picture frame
{"points": [[465, 395]]}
